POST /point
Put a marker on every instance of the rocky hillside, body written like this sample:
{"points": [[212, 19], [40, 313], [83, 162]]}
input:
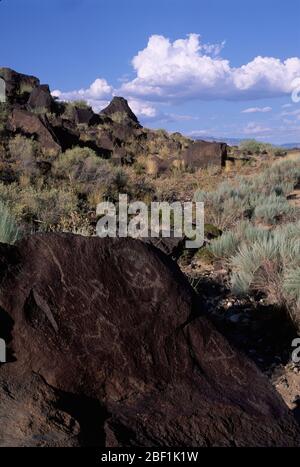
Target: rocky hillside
{"points": [[113, 134], [58, 160]]}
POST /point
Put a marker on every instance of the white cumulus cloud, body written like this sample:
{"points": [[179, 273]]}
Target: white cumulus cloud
{"points": [[97, 95], [99, 89], [142, 108], [187, 69]]}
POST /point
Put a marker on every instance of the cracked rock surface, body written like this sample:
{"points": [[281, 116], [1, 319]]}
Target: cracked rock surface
{"points": [[108, 347]]}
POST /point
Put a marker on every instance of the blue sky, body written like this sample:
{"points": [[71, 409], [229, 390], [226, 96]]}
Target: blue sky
{"points": [[210, 67]]}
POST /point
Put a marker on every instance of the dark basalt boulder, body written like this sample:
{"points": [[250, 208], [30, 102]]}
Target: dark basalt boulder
{"points": [[104, 139], [18, 86], [40, 98], [202, 154], [108, 346], [70, 135], [119, 105], [31, 124], [170, 246], [123, 133], [85, 115]]}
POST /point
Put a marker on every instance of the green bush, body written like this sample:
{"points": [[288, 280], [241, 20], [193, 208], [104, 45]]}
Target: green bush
{"points": [[265, 261], [225, 246], [23, 153], [80, 104], [79, 164], [273, 209], [9, 232], [291, 284], [255, 147], [120, 117], [255, 266], [262, 197], [40, 207]]}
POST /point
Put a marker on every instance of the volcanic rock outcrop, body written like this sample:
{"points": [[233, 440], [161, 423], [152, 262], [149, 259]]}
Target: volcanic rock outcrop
{"points": [[120, 105], [40, 98], [31, 124], [202, 154], [108, 346], [115, 133], [17, 85]]}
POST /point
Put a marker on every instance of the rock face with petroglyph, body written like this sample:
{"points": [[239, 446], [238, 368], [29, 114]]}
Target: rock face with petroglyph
{"points": [[107, 346]]}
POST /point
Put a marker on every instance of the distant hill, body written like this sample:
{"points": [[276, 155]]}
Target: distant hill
{"points": [[291, 146], [238, 141], [229, 141]]}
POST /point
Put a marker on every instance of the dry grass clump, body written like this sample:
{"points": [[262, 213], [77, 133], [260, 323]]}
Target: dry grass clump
{"points": [[43, 206], [262, 253], [263, 198], [9, 231]]}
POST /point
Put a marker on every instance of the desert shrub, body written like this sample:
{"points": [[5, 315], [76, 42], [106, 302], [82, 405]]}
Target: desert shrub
{"points": [[161, 132], [291, 285], [68, 112], [40, 111], [9, 232], [271, 266], [25, 88], [284, 173], [183, 140], [262, 198], [23, 152], [133, 147], [79, 164], [274, 208], [164, 152], [257, 267], [38, 206], [279, 152], [140, 166], [255, 147], [120, 117], [75, 223], [264, 261], [52, 204], [80, 103], [109, 184], [225, 246], [223, 206], [120, 179], [69, 108]]}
